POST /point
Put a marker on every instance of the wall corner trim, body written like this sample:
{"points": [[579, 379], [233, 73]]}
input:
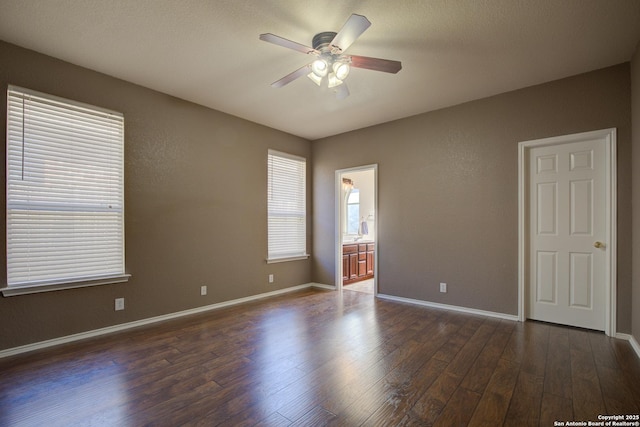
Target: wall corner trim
{"points": [[632, 341], [467, 310], [137, 323]]}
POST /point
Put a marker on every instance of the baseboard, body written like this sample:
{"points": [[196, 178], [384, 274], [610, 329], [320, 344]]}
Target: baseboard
{"points": [[450, 307], [323, 286], [124, 326], [632, 341], [635, 345]]}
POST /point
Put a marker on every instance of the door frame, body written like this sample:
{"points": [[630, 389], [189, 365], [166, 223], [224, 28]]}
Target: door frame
{"points": [[524, 148], [339, 223]]}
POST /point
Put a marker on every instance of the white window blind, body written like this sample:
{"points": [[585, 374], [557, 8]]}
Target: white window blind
{"points": [[286, 192], [65, 185]]}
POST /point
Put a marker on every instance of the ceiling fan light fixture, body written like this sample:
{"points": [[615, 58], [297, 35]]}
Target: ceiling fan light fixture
{"points": [[341, 70], [320, 67], [328, 49], [315, 78], [334, 80]]}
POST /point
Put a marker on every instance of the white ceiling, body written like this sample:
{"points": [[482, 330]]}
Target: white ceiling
{"points": [[208, 51]]}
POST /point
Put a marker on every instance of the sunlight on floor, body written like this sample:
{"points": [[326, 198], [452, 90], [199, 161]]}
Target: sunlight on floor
{"points": [[365, 286]]}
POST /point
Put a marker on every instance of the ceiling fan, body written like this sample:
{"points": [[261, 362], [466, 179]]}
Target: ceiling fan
{"points": [[331, 62]]}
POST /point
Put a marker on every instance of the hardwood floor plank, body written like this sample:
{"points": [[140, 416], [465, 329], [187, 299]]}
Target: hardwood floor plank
{"points": [[480, 373], [274, 420], [557, 376], [174, 409], [526, 402], [618, 398], [534, 359], [603, 354], [298, 398], [316, 417], [466, 357], [324, 358], [390, 386], [457, 340], [334, 377], [555, 408], [459, 409], [429, 406], [402, 396], [630, 365], [587, 394], [515, 348], [341, 398], [494, 403]]}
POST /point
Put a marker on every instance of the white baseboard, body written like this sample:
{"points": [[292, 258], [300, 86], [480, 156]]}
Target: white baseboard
{"points": [[323, 286], [450, 307], [635, 345], [632, 341], [123, 326]]}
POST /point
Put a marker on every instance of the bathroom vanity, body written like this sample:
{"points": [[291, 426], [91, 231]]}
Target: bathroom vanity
{"points": [[358, 260]]}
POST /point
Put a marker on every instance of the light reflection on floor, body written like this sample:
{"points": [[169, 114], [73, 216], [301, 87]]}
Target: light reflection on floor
{"points": [[284, 361], [365, 286], [278, 352], [98, 396]]}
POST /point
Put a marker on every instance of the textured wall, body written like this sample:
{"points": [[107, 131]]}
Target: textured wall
{"points": [[448, 196], [196, 197], [195, 194], [635, 125]]}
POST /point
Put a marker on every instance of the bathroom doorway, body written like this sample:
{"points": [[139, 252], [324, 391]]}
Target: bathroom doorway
{"points": [[356, 229]]}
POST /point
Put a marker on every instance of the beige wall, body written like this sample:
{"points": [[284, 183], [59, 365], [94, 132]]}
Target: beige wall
{"points": [[196, 197], [447, 186], [195, 192], [635, 124]]}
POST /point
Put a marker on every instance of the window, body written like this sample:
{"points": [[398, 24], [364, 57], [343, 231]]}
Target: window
{"points": [[286, 206], [353, 212], [65, 201]]}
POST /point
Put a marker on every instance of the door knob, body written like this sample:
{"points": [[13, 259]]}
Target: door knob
{"points": [[598, 245]]}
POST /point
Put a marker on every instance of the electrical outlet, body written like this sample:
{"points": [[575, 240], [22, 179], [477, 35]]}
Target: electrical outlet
{"points": [[271, 278], [119, 305], [203, 290], [443, 288]]}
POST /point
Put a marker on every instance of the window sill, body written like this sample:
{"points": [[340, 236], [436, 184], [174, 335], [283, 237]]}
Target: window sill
{"points": [[285, 259], [35, 288]]}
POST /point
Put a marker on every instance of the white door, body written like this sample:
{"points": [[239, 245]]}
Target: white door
{"points": [[567, 187]]}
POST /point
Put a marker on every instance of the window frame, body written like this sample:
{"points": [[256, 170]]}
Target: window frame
{"points": [[350, 232], [275, 256], [55, 108]]}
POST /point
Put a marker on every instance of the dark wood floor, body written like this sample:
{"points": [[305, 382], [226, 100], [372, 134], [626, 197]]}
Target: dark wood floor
{"points": [[321, 358]]}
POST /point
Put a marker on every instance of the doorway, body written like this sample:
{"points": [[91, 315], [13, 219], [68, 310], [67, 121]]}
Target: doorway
{"points": [[356, 222], [567, 230]]}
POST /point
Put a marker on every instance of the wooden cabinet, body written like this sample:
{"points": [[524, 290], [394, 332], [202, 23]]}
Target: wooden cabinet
{"points": [[370, 260], [357, 262]]}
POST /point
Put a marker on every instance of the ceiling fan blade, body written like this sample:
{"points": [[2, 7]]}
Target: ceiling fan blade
{"points": [[302, 71], [351, 30], [342, 91], [281, 41], [384, 65]]}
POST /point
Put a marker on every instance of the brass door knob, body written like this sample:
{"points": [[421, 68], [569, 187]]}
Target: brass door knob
{"points": [[598, 245]]}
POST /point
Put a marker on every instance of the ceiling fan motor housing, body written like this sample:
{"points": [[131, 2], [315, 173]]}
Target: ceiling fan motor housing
{"points": [[323, 40]]}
